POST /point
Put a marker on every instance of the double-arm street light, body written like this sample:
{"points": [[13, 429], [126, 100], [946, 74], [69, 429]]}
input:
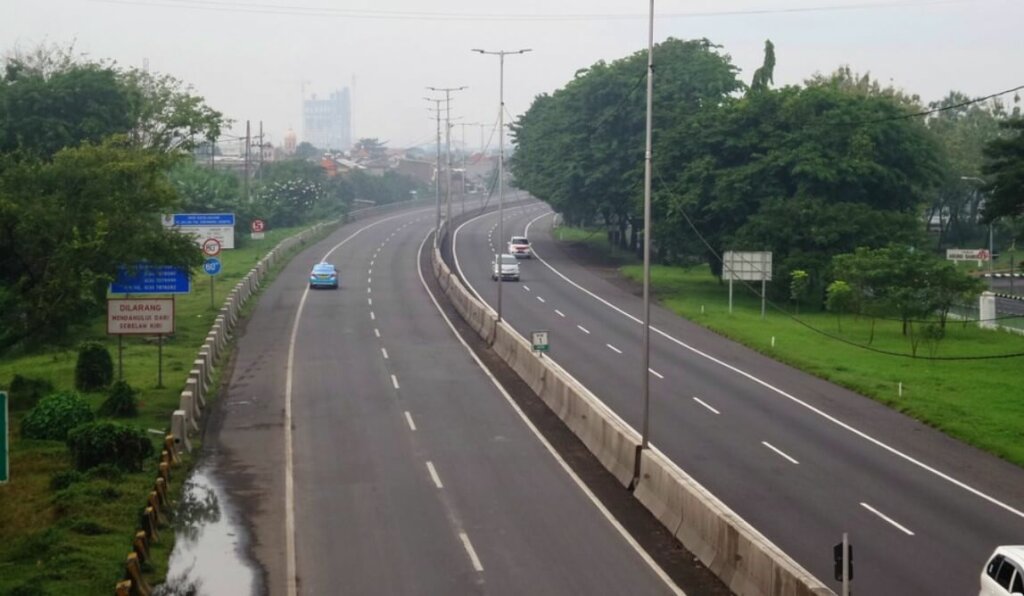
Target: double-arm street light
{"points": [[501, 153]]}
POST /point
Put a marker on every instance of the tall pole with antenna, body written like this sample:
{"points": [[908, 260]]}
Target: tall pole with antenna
{"points": [[447, 147], [501, 154]]}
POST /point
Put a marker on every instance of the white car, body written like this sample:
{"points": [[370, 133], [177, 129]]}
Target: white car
{"points": [[505, 267], [1004, 573], [519, 246]]}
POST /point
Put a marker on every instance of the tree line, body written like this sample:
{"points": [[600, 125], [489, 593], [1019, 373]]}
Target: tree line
{"points": [[807, 171]]}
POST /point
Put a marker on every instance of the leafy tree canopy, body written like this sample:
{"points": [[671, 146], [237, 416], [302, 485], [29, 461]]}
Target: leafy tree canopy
{"points": [[1005, 166]]}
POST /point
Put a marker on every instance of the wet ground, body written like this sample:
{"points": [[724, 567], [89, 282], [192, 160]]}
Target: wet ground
{"points": [[209, 556]]}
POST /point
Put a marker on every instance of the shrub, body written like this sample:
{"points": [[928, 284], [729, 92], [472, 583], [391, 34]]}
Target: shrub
{"points": [[106, 442], [94, 368], [108, 472], [64, 479], [121, 401], [88, 527], [25, 392], [55, 415]]}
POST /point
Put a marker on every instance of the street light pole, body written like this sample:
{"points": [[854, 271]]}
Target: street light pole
{"points": [[991, 243], [448, 147], [645, 433], [437, 168], [501, 154]]}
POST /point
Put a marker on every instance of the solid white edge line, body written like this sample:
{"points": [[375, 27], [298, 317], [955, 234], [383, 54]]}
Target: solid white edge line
{"points": [[475, 560], [434, 476], [543, 441], [291, 579], [701, 402], [408, 418], [783, 393], [613, 348], [779, 451], [394, 381], [887, 518]]}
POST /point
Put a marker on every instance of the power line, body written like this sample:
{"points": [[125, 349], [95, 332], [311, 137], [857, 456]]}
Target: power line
{"points": [[281, 9]]}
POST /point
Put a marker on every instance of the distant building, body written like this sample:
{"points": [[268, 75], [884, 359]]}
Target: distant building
{"points": [[290, 141], [327, 123]]}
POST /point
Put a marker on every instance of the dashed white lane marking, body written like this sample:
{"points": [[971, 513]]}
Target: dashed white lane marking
{"points": [[559, 313], [370, 272], [526, 287], [376, 332], [583, 329], [373, 317], [408, 418], [613, 348], [472, 553], [779, 451], [643, 554], [384, 352], [701, 402], [369, 280], [656, 373], [371, 263], [369, 301], [394, 381], [887, 518], [541, 299], [433, 475]]}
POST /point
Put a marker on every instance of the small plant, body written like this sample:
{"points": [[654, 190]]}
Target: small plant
{"points": [[106, 442], [64, 479], [94, 368], [25, 392], [121, 401], [55, 415]]}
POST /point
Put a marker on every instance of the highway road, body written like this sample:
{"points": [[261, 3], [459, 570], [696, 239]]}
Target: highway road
{"points": [[404, 468], [799, 458]]}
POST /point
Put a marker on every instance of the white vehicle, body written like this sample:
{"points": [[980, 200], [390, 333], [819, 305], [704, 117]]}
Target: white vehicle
{"points": [[1004, 573], [505, 267], [519, 246]]}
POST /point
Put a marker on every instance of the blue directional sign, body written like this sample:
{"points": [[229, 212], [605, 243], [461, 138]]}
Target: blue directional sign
{"points": [[212, 266], [204, 219], [144, 278]]}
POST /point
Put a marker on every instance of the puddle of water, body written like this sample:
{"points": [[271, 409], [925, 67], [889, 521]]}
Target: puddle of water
{"points": [[209, 550]]}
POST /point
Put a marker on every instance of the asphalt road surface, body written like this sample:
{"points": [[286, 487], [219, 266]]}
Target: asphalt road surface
{"points": [[411, 472], [799, 458]]}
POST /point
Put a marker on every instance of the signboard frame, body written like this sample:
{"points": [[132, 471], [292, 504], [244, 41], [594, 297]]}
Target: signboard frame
{"points": [[202, 226], [162, 330], [539, 340], [5, 443], [747, 266], [968, 254]]}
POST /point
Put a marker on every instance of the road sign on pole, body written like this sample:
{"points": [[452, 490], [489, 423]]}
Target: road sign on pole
{"points": [[212, 266], [539, 341], [211, 247], [256, 227], [5, 458]]}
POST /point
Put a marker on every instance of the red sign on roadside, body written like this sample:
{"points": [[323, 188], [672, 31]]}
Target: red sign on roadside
{"points": [[211, 247], [140, 316], [257, 226]]}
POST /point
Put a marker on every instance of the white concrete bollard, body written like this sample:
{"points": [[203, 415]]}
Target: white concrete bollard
{"points": [[987, 311], [179, 428]]}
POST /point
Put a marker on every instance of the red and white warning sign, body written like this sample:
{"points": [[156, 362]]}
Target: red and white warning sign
{"points": [[211, 247], [140, 316], [257, 225]]}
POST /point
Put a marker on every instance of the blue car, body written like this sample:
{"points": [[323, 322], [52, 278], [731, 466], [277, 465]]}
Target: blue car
{"points": [[323, 275]]}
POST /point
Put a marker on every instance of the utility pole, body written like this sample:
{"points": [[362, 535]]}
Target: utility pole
{"points": [[246, 178], [501, 152], [447, 147], [260, 173], [464, 152], [437, 167]]}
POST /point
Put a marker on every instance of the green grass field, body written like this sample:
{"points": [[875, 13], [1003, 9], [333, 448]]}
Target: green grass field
{"points": [[75, 540], [979, 401]]}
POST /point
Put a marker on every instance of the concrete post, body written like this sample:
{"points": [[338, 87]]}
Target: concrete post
{"points": [[987, 311], [179, 428]]}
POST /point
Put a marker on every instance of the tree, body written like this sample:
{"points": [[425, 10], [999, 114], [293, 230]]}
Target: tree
{"points": [[1004, 164], [765, 75], [166, 116], [307, 151], [372, 148], [798, 284], [68, 223], [840, 299]]}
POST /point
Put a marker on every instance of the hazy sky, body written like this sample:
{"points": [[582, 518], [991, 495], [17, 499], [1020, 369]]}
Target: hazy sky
{"points": [[251, 58]]}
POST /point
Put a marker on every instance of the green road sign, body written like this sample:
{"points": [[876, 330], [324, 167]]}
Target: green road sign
{"points": [[539, 339], [5, 458]]}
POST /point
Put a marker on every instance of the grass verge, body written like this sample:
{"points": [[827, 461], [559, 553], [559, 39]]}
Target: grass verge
{"points": [[64, 534]]}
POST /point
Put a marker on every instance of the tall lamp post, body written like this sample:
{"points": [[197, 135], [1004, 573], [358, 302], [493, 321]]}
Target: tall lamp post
{"points": [[437, 168], [501, 151], [448, 147], [645, 428], [991, 243]]}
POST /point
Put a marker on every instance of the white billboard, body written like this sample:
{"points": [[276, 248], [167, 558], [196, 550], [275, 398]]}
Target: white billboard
{"points": [[748, 266], [140, 316]]}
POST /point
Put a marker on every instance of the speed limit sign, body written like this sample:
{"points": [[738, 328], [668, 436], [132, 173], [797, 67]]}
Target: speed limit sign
{"points": [[257, 226], [211, 247]]}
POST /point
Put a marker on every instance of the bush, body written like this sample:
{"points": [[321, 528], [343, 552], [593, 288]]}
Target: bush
{"points": [[120, 402], [107, 442], [64, 479], [55, 415], [94, 368], [25, 392]]}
